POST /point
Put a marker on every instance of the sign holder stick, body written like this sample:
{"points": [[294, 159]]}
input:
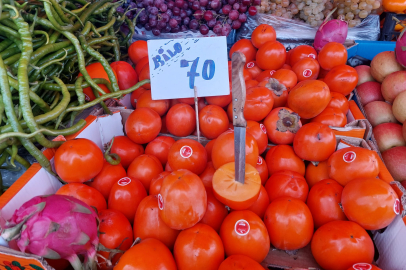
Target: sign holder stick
{"points": [[197, 115]]}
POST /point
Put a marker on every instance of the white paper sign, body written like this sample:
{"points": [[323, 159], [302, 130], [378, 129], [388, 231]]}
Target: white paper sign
{"points": [[177, 65]]}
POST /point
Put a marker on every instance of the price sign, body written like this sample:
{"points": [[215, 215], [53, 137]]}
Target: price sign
{"points": [[178, 65]]}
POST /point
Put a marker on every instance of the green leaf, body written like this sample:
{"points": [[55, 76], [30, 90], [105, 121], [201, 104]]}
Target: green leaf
{"points": [[16, 263], [36, 267], [8, 267]]}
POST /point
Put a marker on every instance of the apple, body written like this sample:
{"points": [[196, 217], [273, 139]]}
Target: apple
{"points": [[383, 64], [378, 112], [393, 85], [369, 91], [388, 135], [399, 107], [364, 74], [395, 161]]}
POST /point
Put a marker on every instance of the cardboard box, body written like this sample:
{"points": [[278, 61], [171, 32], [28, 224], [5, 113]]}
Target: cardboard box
{"points": [[36, 181]]}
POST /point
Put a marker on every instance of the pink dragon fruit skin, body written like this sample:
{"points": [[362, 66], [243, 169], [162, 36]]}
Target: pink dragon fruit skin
{"points": [[55, 226]]}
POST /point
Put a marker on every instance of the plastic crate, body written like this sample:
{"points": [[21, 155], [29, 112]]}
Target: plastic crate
{"points": [[388, 32], [368, 49]]}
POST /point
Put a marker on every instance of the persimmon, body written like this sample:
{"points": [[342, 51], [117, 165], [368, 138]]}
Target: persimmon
{"points": [[278, 90], [159, 148], [188, 154], [370, 202], [306, 69], [339, 244], [265, 75], [314, 142], [182, 201], [258, 131], [135, 95], [286, 77], [216, 211], [145, 101], [244, 233], [287, 183], [138, 50], [324, 202], [220, 101], [125, 196], [282, 157], [200, 239], [148, 224], [181, 120], [316, 172], [250, 83], [144, 168], [253, 69], [156, 183], [223, 149], [107, 177], [148, 254], [351, 163], [126, 149], [258, 103], [302, 52], [140, 65], [144, 75], [342, 79], [281, 125], [213, 121], [289, 223], [245, 46], [332, 54], [262, 169], [236, 195], [309, 98], [261, 204], [89, 195], [271, 55], [339, 101], [262, 34], [331, 117], [207, 175], [143, 125], [240, 262]]}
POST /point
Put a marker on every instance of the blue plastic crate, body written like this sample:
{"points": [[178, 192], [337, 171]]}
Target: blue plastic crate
{"points": [[368, 49]]}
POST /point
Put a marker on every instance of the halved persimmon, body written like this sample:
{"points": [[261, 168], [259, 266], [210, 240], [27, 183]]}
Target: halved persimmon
{"points": [[232, 193]]}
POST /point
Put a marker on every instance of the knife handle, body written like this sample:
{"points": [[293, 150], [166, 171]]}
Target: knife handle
{"points": [[238, 89]]}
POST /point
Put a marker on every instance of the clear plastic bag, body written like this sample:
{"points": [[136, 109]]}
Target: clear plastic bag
{"points": [[291, 32]]}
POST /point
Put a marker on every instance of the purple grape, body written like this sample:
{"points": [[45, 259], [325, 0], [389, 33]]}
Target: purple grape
{"points": [[217, 29], [183, 28], [179, 3], [236, 6], [226, 9], [170, 4], [169, 12], [256, 2], [208, 15], [194, 24], [243, 9], [252, 11], [186, 21], [229, 21], [176, 11], [198, 14], [120, 9], [219, 23], [183, 13], [196, 5], [185, 5], [211, 23], [173, 23], [143, 19], [167, 28], [246, 2], [215, 4], [203, 3], [242, 18], [161, 25], [153, 22], [154, 10], [147, 27], [158, 3], [140, 5], [152, 16], [225, 30], [204, 30], [156, 32], [224, 2], [189, 12], [178, 19], [163, 8], [233, 15], [165, 17], [236, 24], [231, 2], [176, 29], [132, 5], [150, 3]]}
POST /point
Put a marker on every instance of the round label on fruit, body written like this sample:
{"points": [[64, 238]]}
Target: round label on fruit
{"points": [[250, 65], [349, 156], [124, 181], [186, 151], [307, 73], [87, 98], [259, 162], [262, 128], [396, 207], [242, 227], [362, 266], [160, 202], [312, 55], [272, 72]]}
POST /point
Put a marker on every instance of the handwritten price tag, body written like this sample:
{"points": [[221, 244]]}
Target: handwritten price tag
{"points": [[178, 65]]}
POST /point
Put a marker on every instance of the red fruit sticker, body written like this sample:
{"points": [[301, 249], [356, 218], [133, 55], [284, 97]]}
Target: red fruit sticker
{"points": [[307, 73], [396, 207], [312, 55], [262, 127], [160, 202], [186, 151], [349, 156], [124, 181], [259, 162], [272, 72], [242, 227], [250, 65], [362, 266]]}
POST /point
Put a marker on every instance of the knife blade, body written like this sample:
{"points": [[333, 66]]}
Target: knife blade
{"points": [[239, 122]]}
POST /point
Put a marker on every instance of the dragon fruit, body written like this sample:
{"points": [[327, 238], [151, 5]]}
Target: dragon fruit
{"points": [[55, 226]]}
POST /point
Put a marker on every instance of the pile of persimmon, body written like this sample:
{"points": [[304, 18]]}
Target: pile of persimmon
{"points": [[180, 196]]}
